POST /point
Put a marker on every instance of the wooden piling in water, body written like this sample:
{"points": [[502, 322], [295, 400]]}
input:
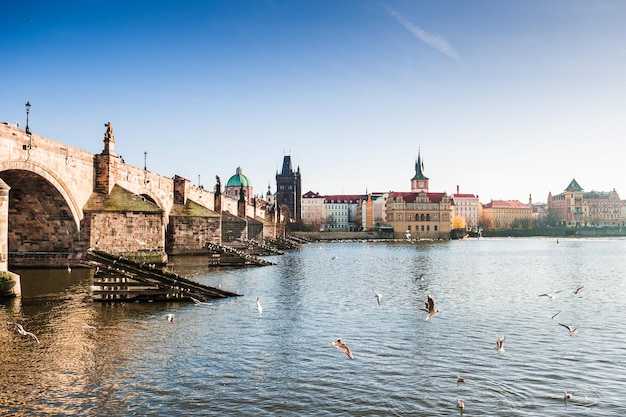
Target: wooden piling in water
{"points": [[120, 279]]}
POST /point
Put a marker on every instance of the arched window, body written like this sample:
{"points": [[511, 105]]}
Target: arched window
{"points": [[428, 217]]}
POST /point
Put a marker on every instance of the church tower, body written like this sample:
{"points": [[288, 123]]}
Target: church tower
{"points": [[419, 182], [289, 191]]}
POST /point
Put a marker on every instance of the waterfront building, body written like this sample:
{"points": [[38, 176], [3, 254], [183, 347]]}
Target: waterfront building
{"points": [[312, 211], [466, 207], [289, 191], [340, 213], [419, 214], [575, 207], [373, 211], [506, 214]]}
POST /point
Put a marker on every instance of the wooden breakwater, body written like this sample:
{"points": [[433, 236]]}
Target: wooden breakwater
{"points": [[220, 255], [121, 279]]}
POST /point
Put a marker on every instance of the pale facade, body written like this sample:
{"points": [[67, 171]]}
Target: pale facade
{"points": [[340, 212], [466, 206], [313, 211]]}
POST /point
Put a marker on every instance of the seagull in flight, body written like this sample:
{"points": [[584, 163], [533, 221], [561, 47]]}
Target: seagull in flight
{"points": [[169, 317], [460, 379], [572, 330], [88, 326], [259, 307], [555, 315], [568, 396], [420, 277], [198, 302], [551, 296], [20, 330], [340, 345], [430, 308], [579, 289], [500, 343], [378, 297]]}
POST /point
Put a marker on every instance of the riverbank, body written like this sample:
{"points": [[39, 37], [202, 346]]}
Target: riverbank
{"points": [[559, 232], [547, 232]]}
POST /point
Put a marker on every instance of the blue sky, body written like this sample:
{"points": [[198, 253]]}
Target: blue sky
{"points": [[503, 98]]}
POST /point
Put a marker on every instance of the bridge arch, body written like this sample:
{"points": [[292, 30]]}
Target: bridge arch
{"points": [[154, 199], [56, 182], [43, 216]]}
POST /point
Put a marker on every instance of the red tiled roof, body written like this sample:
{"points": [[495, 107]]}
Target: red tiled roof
{"points": [[410, 197], [505, 204], [341, 198]]}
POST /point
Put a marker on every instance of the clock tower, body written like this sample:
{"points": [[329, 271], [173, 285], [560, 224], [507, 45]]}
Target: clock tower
{"points": [[419, 182]]}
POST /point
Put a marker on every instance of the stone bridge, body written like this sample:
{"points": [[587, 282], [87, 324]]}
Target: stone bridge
{"points": [[57, 200]]}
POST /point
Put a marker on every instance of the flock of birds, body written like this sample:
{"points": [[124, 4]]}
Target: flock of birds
{"points": [[431, 311], [429, 308]]}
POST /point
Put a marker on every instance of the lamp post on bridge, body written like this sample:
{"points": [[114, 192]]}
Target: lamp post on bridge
{"points": [[145, 168], [27, 112]]}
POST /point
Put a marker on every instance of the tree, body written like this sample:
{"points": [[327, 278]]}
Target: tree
{"points": [[458, 222]]}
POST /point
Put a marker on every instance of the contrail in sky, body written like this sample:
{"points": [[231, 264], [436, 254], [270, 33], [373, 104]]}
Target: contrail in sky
{"points": [[428, 38]]}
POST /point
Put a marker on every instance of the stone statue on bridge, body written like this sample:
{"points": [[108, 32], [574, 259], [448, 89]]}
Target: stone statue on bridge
{"points": [[109, 140], [108, 135], [218, 185]]}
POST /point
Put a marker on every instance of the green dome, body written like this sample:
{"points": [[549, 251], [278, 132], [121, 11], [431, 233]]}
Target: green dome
{"points": [[238, 180]]}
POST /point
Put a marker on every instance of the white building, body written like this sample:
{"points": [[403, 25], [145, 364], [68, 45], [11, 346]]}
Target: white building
{"points": [[466, 206]]}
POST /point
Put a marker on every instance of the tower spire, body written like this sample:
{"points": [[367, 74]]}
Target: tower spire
{"points": [[419, 182]]}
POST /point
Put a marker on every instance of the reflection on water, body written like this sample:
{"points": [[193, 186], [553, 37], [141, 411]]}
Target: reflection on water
{"points": [[223, 358]]}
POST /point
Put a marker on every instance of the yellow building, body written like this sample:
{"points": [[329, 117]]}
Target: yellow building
{"points": [[506, 214], [419, 214]]}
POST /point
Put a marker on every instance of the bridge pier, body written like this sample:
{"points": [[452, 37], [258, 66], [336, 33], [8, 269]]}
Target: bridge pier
{"points": [[9, 282]]}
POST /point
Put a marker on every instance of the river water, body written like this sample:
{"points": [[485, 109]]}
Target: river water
{"points": [[227, 359]]}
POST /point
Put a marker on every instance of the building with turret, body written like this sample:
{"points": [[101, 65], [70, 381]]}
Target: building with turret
{"points": [[419, 214], [575, 207]]}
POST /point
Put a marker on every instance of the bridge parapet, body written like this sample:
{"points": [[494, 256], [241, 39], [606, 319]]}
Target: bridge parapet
{"points": [[59, 196]]}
